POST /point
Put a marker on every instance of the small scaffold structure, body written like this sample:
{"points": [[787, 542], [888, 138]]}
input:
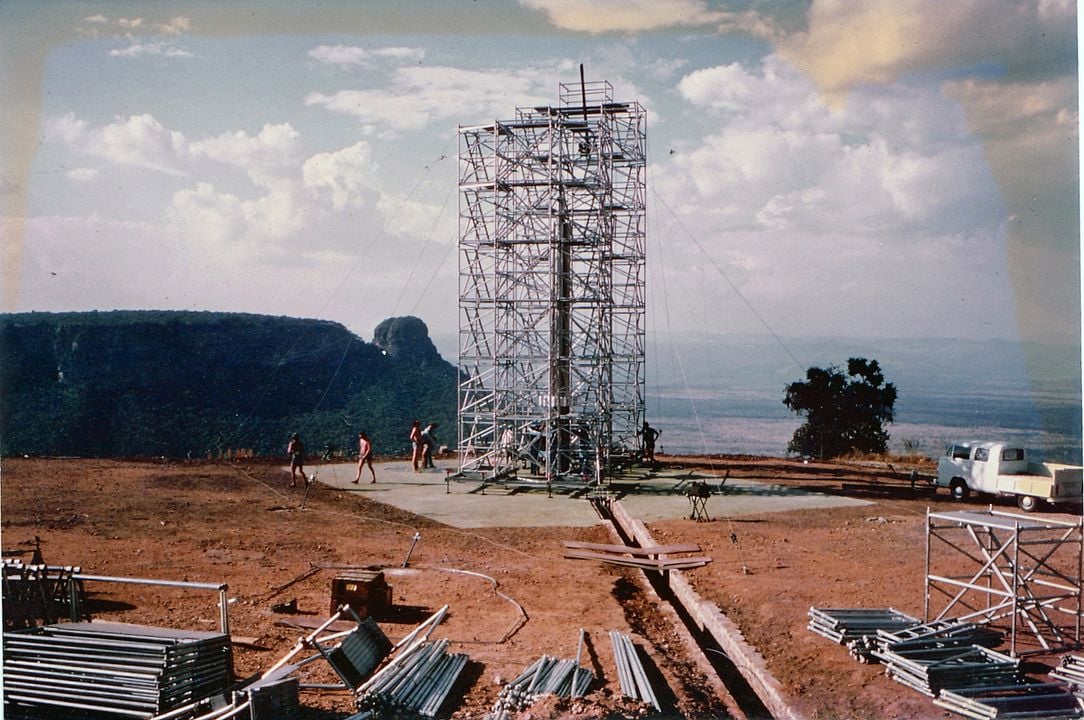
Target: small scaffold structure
{"points": [[1010, 570]]}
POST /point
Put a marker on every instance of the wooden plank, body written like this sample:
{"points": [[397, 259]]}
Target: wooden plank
{"points": [[642, 563], [654, 550]]}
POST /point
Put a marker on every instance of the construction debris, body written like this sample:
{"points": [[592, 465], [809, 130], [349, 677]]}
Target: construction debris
{"points": [[630, 671]]}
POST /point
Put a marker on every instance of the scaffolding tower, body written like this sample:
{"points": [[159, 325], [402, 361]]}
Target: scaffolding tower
{"points": [[1016, 571], [551, 279]]}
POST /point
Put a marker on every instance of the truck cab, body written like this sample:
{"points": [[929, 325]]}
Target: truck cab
{"points": [[1007, 470]]}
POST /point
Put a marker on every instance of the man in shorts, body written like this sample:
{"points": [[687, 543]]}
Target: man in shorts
{"points": [[296, 451], [365, 457]]}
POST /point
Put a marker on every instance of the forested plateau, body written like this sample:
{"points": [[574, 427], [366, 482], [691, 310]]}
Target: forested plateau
{"points": [[205, 384]]}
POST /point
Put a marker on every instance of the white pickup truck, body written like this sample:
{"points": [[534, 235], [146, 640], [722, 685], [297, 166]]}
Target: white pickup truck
{"points": [[1006, 470]]}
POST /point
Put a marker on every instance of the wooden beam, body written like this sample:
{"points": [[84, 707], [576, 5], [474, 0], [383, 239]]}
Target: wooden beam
{"points": [[652, 551]]}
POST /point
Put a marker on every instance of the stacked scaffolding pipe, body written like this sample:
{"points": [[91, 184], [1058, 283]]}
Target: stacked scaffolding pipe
{"points": [[545, 676], [630, 671], [853, 627], [419, 676], [931, 670], [1024, 699], [1071, 670], [114, 669]]}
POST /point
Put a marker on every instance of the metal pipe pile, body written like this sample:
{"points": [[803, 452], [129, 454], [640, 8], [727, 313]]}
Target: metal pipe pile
{"points": [[418, 679], [1025, 699], [546, 676], [630, 671], [114, 669], [931, 670], [853, 627], [1071, 670]]}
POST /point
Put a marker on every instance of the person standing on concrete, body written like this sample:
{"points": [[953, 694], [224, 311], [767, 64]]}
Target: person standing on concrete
{"points": [[649, 435], [416, 444], [296, 450], [429, 441], [365, 456]]}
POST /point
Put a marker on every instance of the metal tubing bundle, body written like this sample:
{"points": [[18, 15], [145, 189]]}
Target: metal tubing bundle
{"points": [[931, 670], [546, 676], [630, 671], [941, 633], [1025, 699], [113, 668], [1071, 670], [854, 627], [419, 679]]}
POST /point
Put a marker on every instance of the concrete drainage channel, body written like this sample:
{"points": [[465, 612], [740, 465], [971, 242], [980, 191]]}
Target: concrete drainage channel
{"points": [[738, 665]]}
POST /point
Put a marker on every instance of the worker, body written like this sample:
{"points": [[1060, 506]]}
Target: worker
{"points": [[365, 456]]}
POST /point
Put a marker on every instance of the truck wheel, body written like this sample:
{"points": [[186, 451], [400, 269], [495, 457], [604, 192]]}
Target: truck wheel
{"points": [[959, 489], [1027, 503]]}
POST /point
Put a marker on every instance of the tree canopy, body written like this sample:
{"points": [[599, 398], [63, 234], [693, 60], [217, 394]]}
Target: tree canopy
{"points": [[844, 413]]}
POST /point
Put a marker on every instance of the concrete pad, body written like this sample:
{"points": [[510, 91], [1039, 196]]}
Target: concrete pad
{"points": [[648, 495]]}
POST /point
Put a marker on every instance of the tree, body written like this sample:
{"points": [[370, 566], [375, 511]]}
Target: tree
{"points": [[843, 413]]}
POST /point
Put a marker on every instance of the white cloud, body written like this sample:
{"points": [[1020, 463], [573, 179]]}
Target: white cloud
{"points": [[129, 28], [353, 56], [177, 26], [136, 140], [139, 49], [265, 156], [348, 175], [419, 96], [820, 208]]}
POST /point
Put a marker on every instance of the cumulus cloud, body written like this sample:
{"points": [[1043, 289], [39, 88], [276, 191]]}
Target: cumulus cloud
{"points": [[895, 158], [135, 140], [417, 96], [347, 176], [353, 56], [820, 206], [264, 156]]}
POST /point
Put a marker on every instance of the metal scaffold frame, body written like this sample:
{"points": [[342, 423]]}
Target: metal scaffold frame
{"points": [[552, 209], [1021, 571]]}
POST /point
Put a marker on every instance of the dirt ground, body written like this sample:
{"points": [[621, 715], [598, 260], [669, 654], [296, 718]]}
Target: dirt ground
{"points": [[512, 596]]}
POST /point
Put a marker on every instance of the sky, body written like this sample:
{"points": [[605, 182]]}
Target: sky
{"points": [[878, 168]]}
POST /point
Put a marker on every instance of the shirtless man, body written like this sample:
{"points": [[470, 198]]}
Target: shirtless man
{"points": [[365, 457], [296, 451]]}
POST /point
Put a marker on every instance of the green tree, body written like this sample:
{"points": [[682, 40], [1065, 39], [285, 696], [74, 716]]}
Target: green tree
{"points": [[843, 413]]}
